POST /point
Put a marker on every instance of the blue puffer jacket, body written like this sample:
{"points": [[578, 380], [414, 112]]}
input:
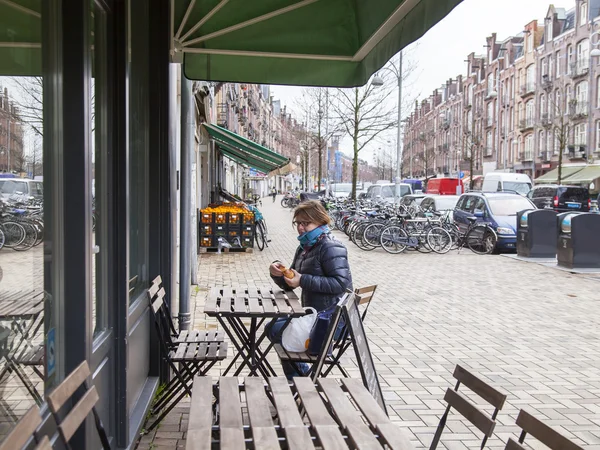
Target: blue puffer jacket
{"points": [[325, 273]]}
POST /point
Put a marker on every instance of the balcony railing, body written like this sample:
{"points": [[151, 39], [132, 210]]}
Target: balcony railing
{"points": [[547, 82], [527, 89], [489, 121], [579, 68], [488, 151], [545, 156], [526, 123], [577, 151], [526, 156], [578, 109], [545, 120]]}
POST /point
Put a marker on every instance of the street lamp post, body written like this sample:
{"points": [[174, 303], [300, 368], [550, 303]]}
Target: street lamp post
{"points": [[378, 81]]}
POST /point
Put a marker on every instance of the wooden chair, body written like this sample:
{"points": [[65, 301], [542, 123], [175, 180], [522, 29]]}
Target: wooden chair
{"points": [[461, 404], [542, 432], [23, 434], [187, 353], [69, 422], [364, 297]]}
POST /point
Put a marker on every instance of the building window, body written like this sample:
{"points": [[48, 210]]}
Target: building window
{"points": [[581, 94], [549, 143], [583, 55], [598, 135], [544, 67], [490, 84], [598, 92], [529, 147], [550, 29], [580, 137], [529, 39], [569, 59], [550, 66], [489, 143], [583, 14], [542, 105], [530, 112], [557, 65]]}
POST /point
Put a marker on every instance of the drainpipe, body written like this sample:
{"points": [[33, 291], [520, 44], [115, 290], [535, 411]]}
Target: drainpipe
{"points": [[187, 151], [174, 121]]}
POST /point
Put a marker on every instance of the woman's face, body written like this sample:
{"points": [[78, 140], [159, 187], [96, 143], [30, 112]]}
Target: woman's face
{"points": [[304, 227]]}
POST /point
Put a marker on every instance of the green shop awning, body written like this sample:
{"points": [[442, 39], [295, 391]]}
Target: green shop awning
{"points": [[304, 42], [20, 37], [587, 175], [245, 151], [552, 176]]}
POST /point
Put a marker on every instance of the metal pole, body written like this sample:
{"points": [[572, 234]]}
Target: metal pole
{"points": [[8, 144], [399, 141], [187, 151], [588, 149], [174, 123]]}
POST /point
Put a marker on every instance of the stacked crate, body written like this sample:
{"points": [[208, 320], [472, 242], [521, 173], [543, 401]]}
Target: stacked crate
{"points": [[226, 225]]}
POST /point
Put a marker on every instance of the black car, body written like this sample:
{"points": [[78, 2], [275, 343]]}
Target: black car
{"points": [[561, 198]]}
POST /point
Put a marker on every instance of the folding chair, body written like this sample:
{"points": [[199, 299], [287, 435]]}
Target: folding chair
{"points": [[364, 296], [23, 434], [188, 354], [461, 404], [69, 422], [323, 358], [542, 432]]}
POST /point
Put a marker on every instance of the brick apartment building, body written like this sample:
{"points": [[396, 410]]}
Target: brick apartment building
{"points": [[503, 114], [12, 157]]}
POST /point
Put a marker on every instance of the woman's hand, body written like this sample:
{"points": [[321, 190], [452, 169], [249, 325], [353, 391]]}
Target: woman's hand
{"points": [[293, 282], [275, 270]]}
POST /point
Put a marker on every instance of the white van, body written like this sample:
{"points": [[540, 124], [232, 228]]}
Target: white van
{"points": [[509, 182]]}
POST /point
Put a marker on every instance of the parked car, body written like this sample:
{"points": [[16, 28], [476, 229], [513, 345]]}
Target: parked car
{"points": [[340, 189], [386, 191], [439, 203], [561, 198], [444, 186], [497, 209], [412, 199], [417, 185], [505, 181], [21, 189]]}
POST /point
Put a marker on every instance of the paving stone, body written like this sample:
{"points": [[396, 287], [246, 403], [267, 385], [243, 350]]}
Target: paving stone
{"points": [[512, 323]]}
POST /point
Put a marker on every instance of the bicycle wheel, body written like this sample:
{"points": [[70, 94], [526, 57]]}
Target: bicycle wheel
{"points": [[439, 240], [393, 239], [481, 240], [30, 238], [284, 202], [260, 238], [454, 234], [265, 232], [14, 234], [2, 239], [372, 234]]}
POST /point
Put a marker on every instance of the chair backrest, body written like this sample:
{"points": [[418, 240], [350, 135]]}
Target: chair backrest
{"points": [[160, 311], [80, 411], [24, 431], [333, 324], [542, 432], [482, 421], [365, 295]]}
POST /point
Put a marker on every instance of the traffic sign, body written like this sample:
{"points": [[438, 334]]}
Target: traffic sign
{"points": [[461, 175]]}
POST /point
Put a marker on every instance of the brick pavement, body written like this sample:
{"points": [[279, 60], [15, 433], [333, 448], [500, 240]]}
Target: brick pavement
{"points": [[530, 331]]}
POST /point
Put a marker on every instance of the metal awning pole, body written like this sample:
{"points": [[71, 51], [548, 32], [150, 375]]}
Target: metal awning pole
{"points": [[188, 117]]}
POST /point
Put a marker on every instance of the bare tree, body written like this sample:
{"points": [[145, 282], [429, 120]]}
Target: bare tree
{"points": [[30, 101], [364, 112], [472, 148]]}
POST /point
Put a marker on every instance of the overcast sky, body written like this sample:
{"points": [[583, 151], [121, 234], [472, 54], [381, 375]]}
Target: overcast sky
{"points": [[440, 54]]}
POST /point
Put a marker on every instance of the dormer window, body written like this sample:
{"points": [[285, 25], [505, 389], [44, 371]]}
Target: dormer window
{"points": [[549, 29]]}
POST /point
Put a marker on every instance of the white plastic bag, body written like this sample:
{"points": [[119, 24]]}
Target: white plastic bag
{"points": [[296, 335]]}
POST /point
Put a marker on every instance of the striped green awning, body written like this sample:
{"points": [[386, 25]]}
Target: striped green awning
{"points": [[587, 175], [303, 42], [20, 37], [552, 176], [244, 150]]}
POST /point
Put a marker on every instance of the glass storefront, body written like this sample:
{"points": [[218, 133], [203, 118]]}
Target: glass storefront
{"points": [[22, 349]]}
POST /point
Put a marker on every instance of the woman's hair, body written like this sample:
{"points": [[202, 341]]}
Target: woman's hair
{"points": [[311, 211]]}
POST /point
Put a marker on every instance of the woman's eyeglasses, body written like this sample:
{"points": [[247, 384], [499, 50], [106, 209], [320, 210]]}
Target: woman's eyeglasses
{"points": [[304, 224]]}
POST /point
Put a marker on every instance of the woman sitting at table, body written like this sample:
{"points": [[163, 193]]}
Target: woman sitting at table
{"points": [[320, 267]]}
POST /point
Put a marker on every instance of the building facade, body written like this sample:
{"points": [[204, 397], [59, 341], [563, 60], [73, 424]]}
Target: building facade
{"points": [[531, 97]]}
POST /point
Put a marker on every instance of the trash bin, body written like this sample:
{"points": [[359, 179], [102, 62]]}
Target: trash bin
{"points": [[578, 240], [536, 233]]}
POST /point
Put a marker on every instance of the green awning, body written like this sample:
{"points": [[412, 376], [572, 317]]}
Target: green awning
{"points": [[245, 151], [20, 37], [304, 42], [552, 176], [587, 175]]}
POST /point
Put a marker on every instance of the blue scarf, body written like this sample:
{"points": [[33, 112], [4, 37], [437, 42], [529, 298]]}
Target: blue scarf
{"points": [[310, 238]]}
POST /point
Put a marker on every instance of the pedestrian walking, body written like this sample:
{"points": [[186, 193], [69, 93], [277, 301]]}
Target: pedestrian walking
{"points": [[273, 193]]}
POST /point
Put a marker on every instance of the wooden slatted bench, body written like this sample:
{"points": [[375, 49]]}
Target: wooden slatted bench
{"points": [[278, 414]]}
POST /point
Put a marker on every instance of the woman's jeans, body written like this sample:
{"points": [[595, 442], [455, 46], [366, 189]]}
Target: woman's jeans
{"points": [[274, 335]]}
